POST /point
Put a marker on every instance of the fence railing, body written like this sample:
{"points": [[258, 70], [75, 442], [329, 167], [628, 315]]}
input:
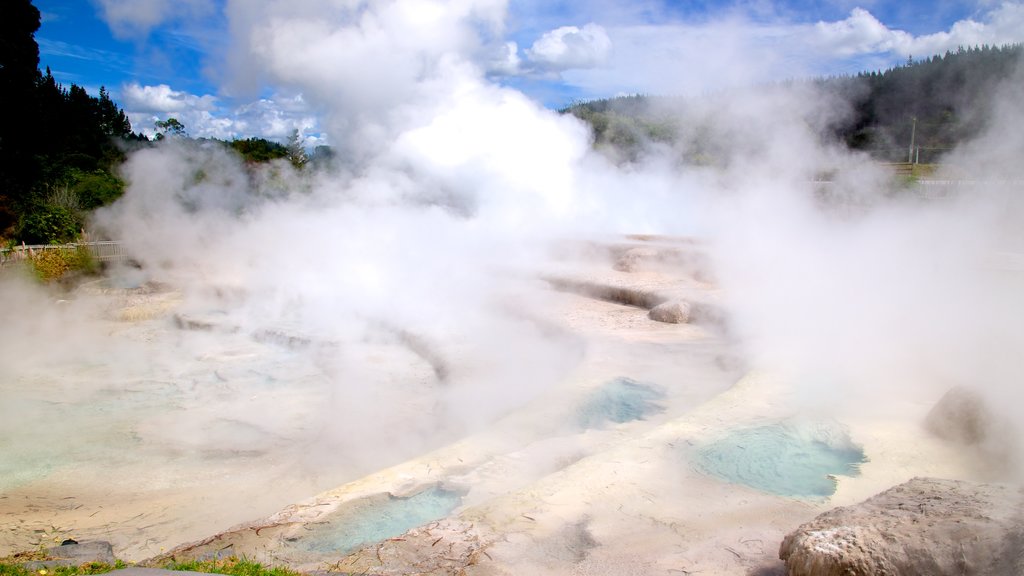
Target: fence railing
{"points": [[106, 251]]}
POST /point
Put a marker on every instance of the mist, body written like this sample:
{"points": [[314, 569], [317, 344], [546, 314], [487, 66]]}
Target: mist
{"points": [[369, 310]]}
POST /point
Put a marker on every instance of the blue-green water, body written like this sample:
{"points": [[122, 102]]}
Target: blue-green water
{"points": [[620, 400], [377, 518], [786, 459]]}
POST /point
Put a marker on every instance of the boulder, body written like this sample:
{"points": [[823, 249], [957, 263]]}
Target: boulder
{"points": [[671, 312], [73, 553], [960, 416], [963, 417], [924, 526]]}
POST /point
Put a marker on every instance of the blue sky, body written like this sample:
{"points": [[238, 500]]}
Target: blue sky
{"points": [[189, 59]]}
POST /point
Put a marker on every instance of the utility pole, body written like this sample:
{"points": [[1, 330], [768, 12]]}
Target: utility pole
{"points": [[913, 132]]}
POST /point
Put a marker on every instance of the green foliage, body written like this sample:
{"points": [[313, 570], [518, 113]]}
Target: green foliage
{"points": [[943, 99], [97, 188], [625, 126], [12, 567], [54, 137], [256, 150], [19, 570], [170, 127], [56, 263], [233, 565], [48, 223]]}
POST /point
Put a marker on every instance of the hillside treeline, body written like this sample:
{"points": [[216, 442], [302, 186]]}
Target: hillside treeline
{"points": [[933, 104], [936, 103]]}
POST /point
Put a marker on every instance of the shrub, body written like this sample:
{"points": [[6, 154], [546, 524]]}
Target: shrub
{"points": [[54, 264], [98, 189], [49, 224]]}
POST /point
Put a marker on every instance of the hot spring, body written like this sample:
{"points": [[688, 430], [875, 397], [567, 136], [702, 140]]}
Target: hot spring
{"points": [[377, 518], [619, 400], [786, 458]]}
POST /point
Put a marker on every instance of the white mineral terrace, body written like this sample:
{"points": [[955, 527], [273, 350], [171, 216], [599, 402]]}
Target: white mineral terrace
{"points": [[257, 442]]}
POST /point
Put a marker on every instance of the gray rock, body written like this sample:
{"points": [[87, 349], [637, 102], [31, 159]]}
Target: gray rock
{"points": [[925, 526], [960, 416], [671, 312], [963, 417], [75, 555]]}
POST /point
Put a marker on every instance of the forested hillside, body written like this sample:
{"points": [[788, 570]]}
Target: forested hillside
{"points": [[934, 104], [938, 102], [60, 147]]}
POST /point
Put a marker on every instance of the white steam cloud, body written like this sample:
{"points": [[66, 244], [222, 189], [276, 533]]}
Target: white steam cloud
{"points": [[430, 232], [450, 188]]}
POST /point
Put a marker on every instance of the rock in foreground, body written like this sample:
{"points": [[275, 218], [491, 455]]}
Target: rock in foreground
{"points": [[924, 526]]}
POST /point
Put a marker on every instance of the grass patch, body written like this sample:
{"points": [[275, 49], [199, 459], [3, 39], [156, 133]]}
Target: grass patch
{"points": [[232, 565], [16, 569], [12, 566]]}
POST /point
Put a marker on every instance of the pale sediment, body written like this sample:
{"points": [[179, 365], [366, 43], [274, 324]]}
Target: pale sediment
{"points": [[599, 474]]}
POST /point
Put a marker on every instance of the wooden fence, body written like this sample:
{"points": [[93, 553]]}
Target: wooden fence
{"points": [[109, 251]]}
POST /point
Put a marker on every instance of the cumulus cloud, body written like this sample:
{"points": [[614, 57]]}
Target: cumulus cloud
{"points": [[137, 17], [862, 33], [206, 116], [1002, 25], [162, 98], [735, 49], [571, 47]]}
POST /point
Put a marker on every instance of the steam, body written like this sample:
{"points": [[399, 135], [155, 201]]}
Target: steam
{"points": [[448, 194], [877, 300]]}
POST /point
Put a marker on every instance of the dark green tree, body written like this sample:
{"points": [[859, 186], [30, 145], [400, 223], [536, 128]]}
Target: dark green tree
{"points": [[256, 150], [19, 68]]}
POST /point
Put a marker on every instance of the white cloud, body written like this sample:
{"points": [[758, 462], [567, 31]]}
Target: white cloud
{"points": [[161, 98], [736, 51], [571, 47], [862, 33], [137, 17], [1003, 25], [206, 117]]}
